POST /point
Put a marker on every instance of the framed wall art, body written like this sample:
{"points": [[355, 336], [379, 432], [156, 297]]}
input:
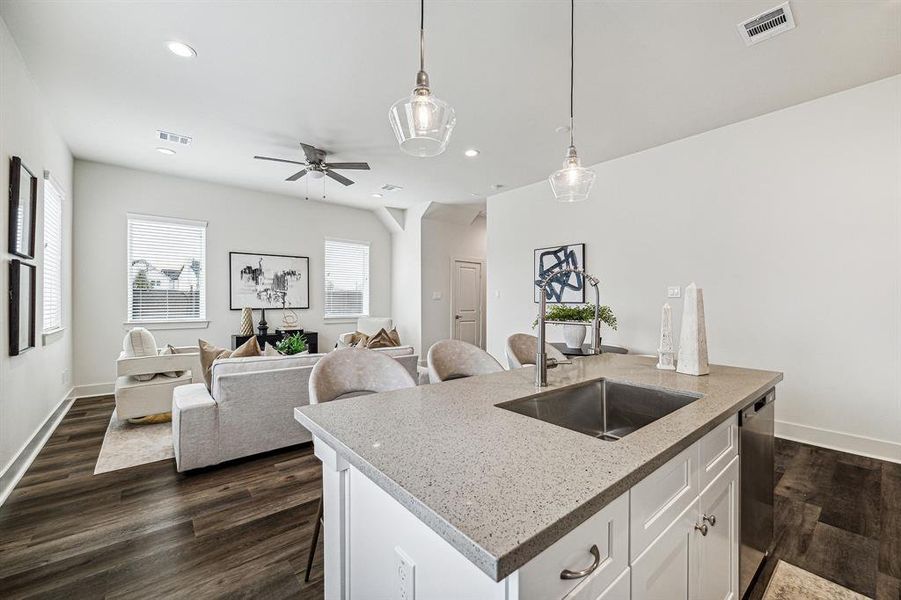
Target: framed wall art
{"points": [[21, 306], [23, 201], [268, 280], [568, 288]]}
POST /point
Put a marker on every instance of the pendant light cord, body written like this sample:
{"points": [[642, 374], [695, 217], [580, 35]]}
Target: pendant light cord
{"points": [[422, 35], [572, 61]]}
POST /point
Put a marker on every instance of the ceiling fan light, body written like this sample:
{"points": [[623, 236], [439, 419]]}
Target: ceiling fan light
{"points": [[422, 123], [316, 174], [573, 182]]}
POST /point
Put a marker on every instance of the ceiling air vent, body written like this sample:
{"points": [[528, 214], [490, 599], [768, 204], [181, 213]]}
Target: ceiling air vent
{"points": [[391, 188], [175, 138], [767, 25]]}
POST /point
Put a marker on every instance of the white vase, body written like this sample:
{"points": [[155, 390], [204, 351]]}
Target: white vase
{"points": [[574, 335]]}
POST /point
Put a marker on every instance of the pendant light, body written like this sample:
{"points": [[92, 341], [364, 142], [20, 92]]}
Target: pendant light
{"points": [[573, 182], [422, 122]]}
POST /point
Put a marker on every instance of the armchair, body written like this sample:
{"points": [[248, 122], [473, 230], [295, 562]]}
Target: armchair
{"points": [[369, 326], [136, 398]]}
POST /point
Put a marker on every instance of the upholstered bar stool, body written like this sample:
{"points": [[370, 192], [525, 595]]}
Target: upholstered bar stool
{"points": [[350, 372], [522, 348], [453, 359]]}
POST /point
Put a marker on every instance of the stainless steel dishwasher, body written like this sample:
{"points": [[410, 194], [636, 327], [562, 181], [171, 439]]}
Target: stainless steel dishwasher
{"points": [[757, 476]]}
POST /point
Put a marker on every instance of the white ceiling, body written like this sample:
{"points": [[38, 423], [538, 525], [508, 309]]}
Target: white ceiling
{"points": [[271, 74]]}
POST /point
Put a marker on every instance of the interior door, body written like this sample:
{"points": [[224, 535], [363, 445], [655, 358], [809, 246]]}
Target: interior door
{"points": [[718, 550], [466, 308]]}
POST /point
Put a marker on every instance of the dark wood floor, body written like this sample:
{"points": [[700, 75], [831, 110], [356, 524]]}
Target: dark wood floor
{"points": [[241, 530], [237, 531], [838, 515]]}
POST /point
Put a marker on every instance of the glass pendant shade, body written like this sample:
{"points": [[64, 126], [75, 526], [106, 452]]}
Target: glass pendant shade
{"points": [[573, 182], [422, 123]]}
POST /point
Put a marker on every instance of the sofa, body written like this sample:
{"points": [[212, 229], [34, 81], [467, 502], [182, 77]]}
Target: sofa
{"points": [[249, 407], [142, 386], [368, 325]]}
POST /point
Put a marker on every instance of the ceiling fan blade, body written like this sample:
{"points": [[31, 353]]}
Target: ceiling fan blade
{"points": [[313, 154], [339, 178], [361, 166], [293, 162], [297, 175]]}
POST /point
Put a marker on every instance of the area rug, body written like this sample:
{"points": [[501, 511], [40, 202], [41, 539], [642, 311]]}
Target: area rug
{"points": [[792, 583], [129, 445]]}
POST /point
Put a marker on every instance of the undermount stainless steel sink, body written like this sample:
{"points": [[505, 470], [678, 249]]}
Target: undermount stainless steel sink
{"points": [[603, 409]]}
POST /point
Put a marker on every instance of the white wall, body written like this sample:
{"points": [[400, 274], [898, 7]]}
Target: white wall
{"points": [[35, 382], [791, 224], [442, 241], [238, 220], [406, 278]]}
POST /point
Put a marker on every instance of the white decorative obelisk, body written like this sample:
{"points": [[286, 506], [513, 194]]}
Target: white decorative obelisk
{"points": [[693, 338], [665, 348]]}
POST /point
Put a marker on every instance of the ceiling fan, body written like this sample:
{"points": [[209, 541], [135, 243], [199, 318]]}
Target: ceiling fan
{"points": [[315, 165]]}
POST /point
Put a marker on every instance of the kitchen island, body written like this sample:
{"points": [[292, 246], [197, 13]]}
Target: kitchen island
{"points": [[436, 492]]}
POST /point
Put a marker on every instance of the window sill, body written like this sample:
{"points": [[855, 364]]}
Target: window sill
{"points": [[163, 325], [347, 319], [52, 335]]}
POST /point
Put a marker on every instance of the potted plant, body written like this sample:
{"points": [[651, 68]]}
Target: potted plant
{"points": [[292, 344], [575, 319]]}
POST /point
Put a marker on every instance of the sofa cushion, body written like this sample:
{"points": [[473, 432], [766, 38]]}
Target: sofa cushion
{"points": [[139, 342], [395, 351], [209, 354]]}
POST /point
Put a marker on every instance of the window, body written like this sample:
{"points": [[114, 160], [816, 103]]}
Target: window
{"points": [[53, 256], [166, 269], [346, 278]]}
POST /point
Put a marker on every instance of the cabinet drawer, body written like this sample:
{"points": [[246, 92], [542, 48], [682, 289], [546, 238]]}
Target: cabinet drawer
{"points": [[662, 496], [717, 449], [539, 579]]}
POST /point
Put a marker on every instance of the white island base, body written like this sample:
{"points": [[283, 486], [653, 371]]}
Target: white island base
{"points": [[672, 536]]}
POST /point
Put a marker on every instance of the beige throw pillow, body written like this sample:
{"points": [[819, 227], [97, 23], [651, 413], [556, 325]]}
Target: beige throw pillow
{"points": [[170, 349], [383, 339], [210, 353]]}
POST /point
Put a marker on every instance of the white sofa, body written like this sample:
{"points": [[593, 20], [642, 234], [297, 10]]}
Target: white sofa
{"points": [[135, 398], [369, 326], [250, 407]]}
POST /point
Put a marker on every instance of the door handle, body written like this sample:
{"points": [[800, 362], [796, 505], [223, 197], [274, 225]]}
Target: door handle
{"points": [[457, 317]]}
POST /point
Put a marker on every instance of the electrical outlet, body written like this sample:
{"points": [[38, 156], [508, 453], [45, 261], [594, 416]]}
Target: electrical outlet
{"points": [[405, 572], [674, 291]]}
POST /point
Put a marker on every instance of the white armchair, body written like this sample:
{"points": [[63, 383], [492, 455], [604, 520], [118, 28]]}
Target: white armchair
{"points": [[369, 326], [139, 396]]}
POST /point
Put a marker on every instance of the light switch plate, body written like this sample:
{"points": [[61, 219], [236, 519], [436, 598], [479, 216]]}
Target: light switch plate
{"points": [[405, 574], [674, 291], [436, 295]]}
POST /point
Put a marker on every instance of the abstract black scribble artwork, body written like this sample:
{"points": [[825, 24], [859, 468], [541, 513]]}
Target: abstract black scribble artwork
{"points": [[567, 288], [269, 280]]}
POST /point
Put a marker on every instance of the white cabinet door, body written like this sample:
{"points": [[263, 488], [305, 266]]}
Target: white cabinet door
{"points": [[618, 590], [665, 571], [718, 550]]}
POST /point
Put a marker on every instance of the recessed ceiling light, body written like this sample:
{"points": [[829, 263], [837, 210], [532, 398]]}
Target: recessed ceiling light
{"points": [[168, 151], [377, 195], [472, 152], [181, 49]]}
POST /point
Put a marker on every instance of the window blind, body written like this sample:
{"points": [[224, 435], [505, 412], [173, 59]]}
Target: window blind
{"points": [[346, 278], [53, 256], [166, 269]]}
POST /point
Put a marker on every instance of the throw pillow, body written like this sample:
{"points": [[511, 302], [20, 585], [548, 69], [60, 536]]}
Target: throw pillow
{"points": [[271, 351], [382, 339], [210, 353], [395, 337], [170, 349], [139, 342], [356, 337]]}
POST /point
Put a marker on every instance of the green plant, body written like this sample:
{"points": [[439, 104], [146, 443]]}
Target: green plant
{"points": [[581, 313], [292, 344]]}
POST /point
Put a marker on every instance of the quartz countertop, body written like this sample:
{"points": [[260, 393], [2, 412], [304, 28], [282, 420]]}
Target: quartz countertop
{"points": [[501, 487]]}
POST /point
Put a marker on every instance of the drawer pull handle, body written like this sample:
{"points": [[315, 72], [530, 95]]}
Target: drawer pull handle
{"points": [[567, 574], [710, 519], [701, 528]]}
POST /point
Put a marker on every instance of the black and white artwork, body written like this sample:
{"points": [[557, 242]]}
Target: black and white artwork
{"points": [[567, 288], [23, 197], [21, 306], [268, 280]]}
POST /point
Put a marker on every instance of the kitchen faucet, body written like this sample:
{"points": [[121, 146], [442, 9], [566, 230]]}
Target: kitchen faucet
{"points": [[542, 362]]}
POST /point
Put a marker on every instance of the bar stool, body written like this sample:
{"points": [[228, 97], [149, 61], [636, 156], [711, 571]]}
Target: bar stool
{"points": [[453, 359]]}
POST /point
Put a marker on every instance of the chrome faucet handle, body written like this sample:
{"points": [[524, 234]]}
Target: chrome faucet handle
{"points": [[553, 362]]}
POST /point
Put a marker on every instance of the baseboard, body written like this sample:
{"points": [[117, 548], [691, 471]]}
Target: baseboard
{"points": [[836, 440], [17, 467], [93, 389]]}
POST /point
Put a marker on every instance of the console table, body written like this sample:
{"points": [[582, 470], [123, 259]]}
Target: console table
{"points": [[274, 338]]}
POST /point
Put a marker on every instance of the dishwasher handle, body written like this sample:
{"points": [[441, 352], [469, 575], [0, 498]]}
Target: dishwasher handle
{"points": [[751, 411]]}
